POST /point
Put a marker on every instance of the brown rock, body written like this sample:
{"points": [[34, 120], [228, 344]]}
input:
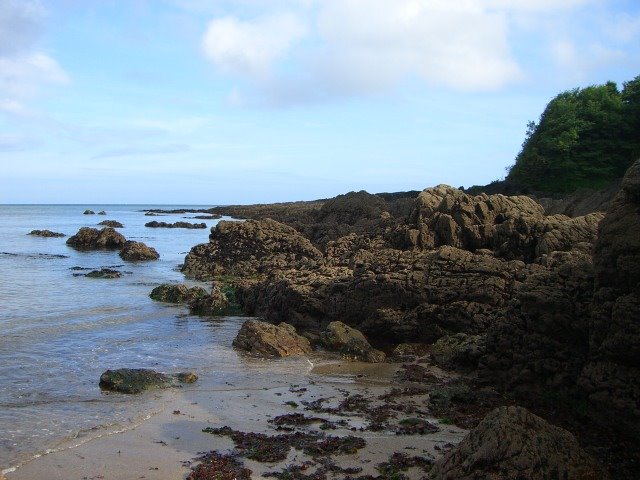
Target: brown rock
{"points": [[93, 239], [250, 248], [270, 340], [512, 443], [138, 251], [350, 342]]}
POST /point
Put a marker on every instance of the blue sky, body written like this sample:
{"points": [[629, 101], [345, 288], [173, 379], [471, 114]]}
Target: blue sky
{"points": [[214, 102]]}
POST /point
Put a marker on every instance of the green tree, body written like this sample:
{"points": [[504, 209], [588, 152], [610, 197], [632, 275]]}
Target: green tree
{"points": [[581, 140]]}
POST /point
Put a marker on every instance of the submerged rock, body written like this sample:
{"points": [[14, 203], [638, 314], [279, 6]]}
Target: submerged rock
{"points": [[137, 380], [46, 233], [104, 273], [111, 223], [271, 340], [138, 251], [511, 442], [350, 342], [93, 239]]}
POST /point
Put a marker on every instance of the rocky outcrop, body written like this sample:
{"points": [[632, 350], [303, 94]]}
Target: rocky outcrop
{"points": [[540, 343], [511, 442], [102, 212], [611, 377], [391, 294], [46, 233], [138, 251], [254, 247], [155, 224], [137, 380], [178, 293], [89, 212], [270, 340], [111, 223], [351, 343], [93, 239]]}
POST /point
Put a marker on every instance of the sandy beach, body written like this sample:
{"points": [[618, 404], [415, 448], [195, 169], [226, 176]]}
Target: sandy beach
{"points": [[165, 445]]}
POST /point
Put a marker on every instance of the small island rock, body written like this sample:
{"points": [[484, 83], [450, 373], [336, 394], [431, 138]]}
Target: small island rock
{"points": [[138, 251], [92, 239], [111, 223], [88, 212], [46, 233]]}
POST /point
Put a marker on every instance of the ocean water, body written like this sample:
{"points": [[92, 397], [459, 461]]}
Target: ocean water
{"points": [[59, 332]]}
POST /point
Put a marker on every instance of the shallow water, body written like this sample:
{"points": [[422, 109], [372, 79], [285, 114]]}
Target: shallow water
{"points": [[60, 331]]}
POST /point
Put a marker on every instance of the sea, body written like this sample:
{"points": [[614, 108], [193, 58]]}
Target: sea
{"points": [[59, 330]]}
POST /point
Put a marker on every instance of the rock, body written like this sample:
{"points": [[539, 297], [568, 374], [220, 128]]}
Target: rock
{"points": [[216, 303], [512, 443], [137, 380], [250, 248], [178, 293], [411, 350], [155, 224], [460, 351], [89, 212], [102, 212], [111, 223], [138, 251], [104, 273], [46, 233], [270, 340], [350, 342], [611, 376], [93, 239]]}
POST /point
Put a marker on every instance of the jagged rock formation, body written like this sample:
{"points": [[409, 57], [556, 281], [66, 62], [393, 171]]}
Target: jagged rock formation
{"points": [[93, 239], [270, 340], [215, 303], [513, 443], [138, 251], [250, 248]]}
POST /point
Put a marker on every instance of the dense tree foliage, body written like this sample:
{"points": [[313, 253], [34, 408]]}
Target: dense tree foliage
{"points": [[584, 138]]}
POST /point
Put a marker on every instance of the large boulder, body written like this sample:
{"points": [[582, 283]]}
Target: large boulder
{"points": [[611, 377], [138, 251], [459, 351], [350, 342], [93, 239], [513, 443], [270, 340], [250, 248], [137, 380]]}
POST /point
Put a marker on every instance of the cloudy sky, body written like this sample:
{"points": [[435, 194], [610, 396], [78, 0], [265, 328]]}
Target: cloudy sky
{"points": [[219, 101]]}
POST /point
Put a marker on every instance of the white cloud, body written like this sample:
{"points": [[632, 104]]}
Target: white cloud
{"points": [[251, 47], [23, 69]]}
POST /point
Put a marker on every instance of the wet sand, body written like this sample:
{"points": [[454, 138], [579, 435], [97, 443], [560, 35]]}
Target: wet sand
{"points": [[165, 446]]}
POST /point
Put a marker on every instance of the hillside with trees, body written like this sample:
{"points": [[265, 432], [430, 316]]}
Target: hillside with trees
{"points": [[585, 138]]}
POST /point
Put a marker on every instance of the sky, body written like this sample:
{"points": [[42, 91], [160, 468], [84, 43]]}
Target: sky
{"points": [[245, 101]]}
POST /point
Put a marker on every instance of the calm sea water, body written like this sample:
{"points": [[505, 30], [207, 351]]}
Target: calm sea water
{"points": [[59, 332]]}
